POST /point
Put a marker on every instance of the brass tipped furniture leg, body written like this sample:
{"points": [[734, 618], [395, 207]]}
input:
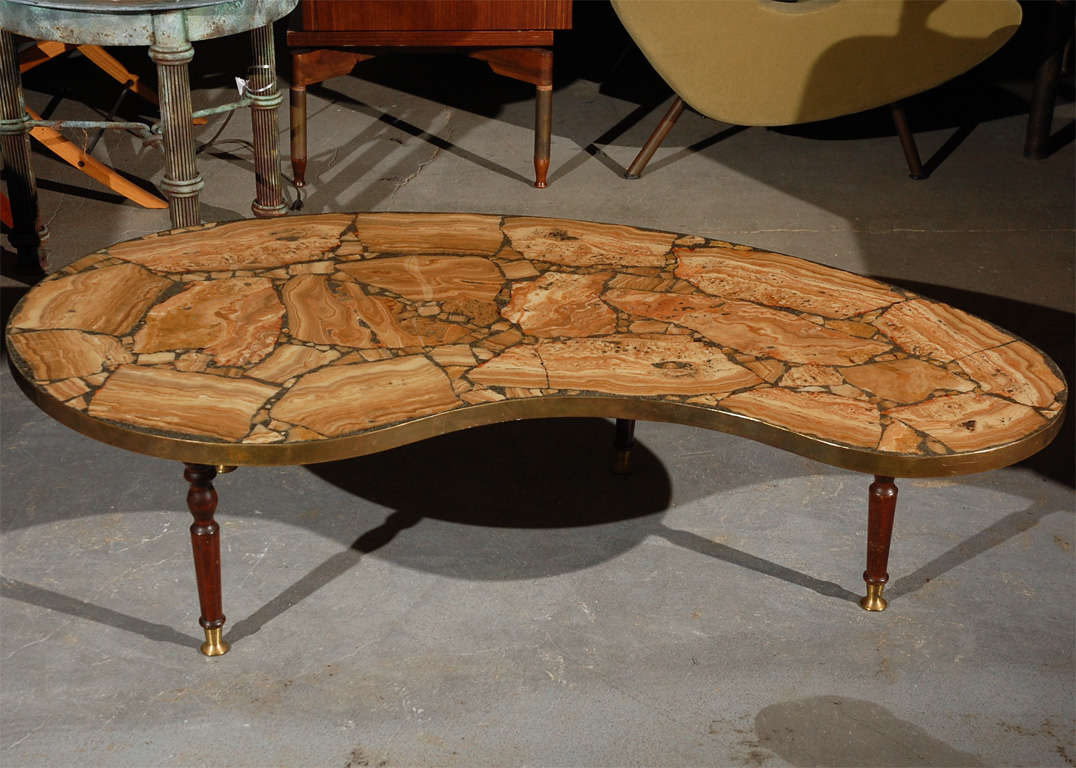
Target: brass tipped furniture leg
{"points": [[298, 135], [881, 505], [543, 131], [635, 170], [214, 644], [27, 234], [625, 441], [205, 544]]}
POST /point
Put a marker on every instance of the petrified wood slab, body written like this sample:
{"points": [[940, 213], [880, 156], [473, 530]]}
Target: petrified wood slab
{"points": [[319, 337]]}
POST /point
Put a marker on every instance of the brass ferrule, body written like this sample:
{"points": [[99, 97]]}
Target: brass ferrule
{"points": [[214, 644], [874, 600]]}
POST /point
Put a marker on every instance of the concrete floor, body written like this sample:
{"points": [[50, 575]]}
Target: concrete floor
{"points": [[497, 597]]}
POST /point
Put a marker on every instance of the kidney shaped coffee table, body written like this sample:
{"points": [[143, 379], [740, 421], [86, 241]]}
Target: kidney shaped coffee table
{"points": [[314, 338]]}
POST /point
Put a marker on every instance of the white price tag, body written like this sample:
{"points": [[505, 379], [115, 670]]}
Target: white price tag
{"points": [[241, 84]]}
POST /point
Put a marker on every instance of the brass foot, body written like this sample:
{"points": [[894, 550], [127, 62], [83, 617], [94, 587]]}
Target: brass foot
{"points": [[622, 463], [874, 600], [214, 644]]}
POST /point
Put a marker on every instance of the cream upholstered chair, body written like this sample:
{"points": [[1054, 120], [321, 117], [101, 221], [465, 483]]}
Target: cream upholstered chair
{"points": [[773, 62]]}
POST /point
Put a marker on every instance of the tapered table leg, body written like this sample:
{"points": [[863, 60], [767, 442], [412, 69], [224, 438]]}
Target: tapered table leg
{"points": [[205, 543], [298, 135], [265, 99], [171, 52], [882, 504], [27, 234], [543, 132]]}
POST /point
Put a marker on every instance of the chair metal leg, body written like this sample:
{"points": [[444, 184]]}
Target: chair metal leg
{"points": [[907, 141], [636, 168]]}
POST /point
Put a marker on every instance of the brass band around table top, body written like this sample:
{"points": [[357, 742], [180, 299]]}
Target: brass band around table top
{"points": [[312, 338]]}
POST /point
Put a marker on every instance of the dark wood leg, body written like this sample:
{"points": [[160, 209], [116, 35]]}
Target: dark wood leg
{"points": [[543, 132], [882, 504], [298, 135], [265, 99], [625, 441], [635, 170], [26, 232], [907, 141], [205, 542]]}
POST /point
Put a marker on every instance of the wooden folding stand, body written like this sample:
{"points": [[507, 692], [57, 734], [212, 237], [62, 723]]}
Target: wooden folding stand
{"points": [[79, 157]]}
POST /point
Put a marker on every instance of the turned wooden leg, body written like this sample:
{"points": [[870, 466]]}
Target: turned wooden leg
{"points": [[205, 543], [635, 170], [298, 135], [907, 141], [625, 441], [883, 502], [543, 132], [265, 98]]}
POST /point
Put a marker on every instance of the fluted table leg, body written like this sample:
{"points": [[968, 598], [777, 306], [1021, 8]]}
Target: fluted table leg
{"points": [[265, 99], [171, 52], [27, 235]]}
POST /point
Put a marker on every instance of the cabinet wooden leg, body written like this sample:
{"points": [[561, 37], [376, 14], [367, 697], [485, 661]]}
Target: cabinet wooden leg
{"points": [[625, 441], [205, 543], [882, 504], [298, 135], [543, 131]]}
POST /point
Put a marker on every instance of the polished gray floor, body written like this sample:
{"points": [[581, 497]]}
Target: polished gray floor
{"points": [[497, 597]]}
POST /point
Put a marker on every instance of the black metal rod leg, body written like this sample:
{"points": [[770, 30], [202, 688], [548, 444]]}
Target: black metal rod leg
{"points": [[27, 235], [265, 99]]}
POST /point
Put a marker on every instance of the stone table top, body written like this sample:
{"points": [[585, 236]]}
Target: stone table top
{"points": [[311, 338]]}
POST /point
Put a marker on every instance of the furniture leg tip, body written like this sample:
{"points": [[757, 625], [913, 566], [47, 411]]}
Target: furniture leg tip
{"points": [[540, 185], [630, 175], [622, 463], [268, 211], [874, 600], [215, 644]]}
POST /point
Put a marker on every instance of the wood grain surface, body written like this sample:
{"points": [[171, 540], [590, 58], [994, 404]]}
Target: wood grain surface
{"points": [[309, 328]]}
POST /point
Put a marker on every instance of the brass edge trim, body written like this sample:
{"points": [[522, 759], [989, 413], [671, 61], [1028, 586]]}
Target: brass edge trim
{"points": [[546, 406]]}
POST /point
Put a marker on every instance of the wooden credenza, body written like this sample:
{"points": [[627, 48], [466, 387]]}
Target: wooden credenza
{"points": [[514, 37]]}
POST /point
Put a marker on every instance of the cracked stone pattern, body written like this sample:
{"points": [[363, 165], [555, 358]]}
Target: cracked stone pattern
{"points": [[317, 327]]}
